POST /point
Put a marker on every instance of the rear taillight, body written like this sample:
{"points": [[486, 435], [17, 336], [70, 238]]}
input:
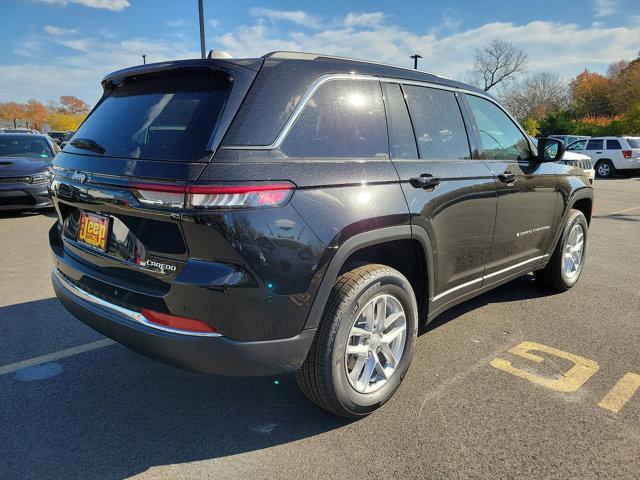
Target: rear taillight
{"points": [[627, 153], [213, 196], [177, 323]]}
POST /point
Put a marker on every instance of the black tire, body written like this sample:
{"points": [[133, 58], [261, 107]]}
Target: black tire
{"points": [[323, 376], [552, 276], [605, 169]]}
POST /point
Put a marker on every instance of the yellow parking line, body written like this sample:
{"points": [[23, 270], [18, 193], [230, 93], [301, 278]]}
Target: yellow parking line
{"points": [[624, 211], [12, 367], [620, 394]]}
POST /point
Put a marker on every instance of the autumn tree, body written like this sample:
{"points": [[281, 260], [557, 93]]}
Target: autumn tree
{"points": [[37, 113], [591, 93], [12, 110], [73, 105], [497, 62]]}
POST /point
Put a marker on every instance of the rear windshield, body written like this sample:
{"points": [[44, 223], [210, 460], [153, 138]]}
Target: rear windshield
{"points": [[155, 117], [633, 142], [26, 146]]}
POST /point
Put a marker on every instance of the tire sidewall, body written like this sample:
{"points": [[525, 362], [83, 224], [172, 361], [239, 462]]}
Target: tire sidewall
{"points": [[604, 162], [576, 218], [398, 286]]}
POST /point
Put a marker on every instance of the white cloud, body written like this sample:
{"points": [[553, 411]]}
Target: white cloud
{"points": [[114, 5], [214, 23], [295, 16], [563, 48], [604, 8], [58, 31], [372, 19], [176, 23]]}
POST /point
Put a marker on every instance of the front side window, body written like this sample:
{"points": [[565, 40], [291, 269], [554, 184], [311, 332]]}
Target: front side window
{"points": [[613, 145], [595, 145], [343, 119], [501, 138], [438, 123], [165, 116], [578, 145]]}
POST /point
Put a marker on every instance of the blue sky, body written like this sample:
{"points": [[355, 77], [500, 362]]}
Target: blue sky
{"points": [[64, 47]]}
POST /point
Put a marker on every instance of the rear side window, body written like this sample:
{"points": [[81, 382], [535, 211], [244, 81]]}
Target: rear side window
{"points": [[343, 118], [402, 142], [613, 145], [501, 138], [438, 124], [168, 116], [633, 142], [595, 145]]}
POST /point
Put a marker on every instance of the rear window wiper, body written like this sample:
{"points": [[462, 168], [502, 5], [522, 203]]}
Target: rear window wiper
{"points": [[88, 144]]}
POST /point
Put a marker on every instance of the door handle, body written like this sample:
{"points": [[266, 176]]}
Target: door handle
{"points": [[598, 153], [507, 177], [425, 180]]}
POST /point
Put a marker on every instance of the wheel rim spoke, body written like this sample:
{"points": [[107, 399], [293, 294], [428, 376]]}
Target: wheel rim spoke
{"points": [[573, 251], [376, 343]]}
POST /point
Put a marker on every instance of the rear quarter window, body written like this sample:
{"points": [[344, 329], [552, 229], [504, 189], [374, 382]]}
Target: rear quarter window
{"points": [[343, 118], [168, 116], [633, 142]]}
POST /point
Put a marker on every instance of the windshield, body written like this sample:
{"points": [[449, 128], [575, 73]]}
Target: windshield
{"points": [[633, 142], [27, 146], [165, 116]]}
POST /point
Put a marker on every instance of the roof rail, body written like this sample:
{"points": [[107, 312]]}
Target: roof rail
{"points": [[293, 55]]}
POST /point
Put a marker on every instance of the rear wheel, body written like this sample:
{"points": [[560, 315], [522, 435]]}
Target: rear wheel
{"points": [[566, 264], [605, 168], [364, 343]]}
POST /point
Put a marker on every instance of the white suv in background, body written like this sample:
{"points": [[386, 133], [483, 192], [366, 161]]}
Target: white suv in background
{"points": [[610, 154]]}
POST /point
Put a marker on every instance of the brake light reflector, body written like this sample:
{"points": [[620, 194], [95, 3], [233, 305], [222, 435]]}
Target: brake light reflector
{"points": [[213, 196], [627, 153], [178, 323]]}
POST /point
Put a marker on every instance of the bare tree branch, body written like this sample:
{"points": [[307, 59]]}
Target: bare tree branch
{"points": [[536, 96], [497, 62]]}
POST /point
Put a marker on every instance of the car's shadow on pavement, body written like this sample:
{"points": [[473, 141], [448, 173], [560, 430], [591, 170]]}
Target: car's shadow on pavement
{"points": [[48, 212], [110, 413]]}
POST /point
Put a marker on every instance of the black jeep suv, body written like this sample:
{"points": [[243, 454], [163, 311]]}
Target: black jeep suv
{"points": [[302, 213]]}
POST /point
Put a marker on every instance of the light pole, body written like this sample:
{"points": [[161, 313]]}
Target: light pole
{"points": [[201, 15], [415, 57], [144, 59]]}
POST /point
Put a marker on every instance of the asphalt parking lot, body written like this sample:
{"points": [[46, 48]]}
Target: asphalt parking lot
{"points": [[468, 408]]}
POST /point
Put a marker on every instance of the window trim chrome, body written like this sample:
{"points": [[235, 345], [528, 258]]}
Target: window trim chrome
{"points": [[321, 80]]}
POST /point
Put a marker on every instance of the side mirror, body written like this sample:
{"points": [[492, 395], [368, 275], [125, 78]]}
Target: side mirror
{"points": [[550, 150]]}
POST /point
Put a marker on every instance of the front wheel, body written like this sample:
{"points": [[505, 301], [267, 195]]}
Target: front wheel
{"points": [[364, 343], [566, 264]]}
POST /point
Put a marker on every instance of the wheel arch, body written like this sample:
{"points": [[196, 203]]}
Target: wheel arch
{"points": [[363, 246]]}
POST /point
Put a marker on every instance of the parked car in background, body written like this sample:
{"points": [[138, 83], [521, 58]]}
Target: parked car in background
{"points": [[610, 154], [24, 175], [303, 213], [20, 130], [577, 160], [569, 139], [58, 136]]}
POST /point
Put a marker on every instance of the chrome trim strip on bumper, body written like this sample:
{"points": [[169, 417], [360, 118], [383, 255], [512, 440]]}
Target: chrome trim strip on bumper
{"points": [[485, 277], [125, 312]]}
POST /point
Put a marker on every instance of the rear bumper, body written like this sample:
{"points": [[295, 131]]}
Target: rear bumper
{"points": [[207, 353], [22, 196]]}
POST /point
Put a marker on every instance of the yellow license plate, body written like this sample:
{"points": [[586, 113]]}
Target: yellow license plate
{"points": [[93, 230]]}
